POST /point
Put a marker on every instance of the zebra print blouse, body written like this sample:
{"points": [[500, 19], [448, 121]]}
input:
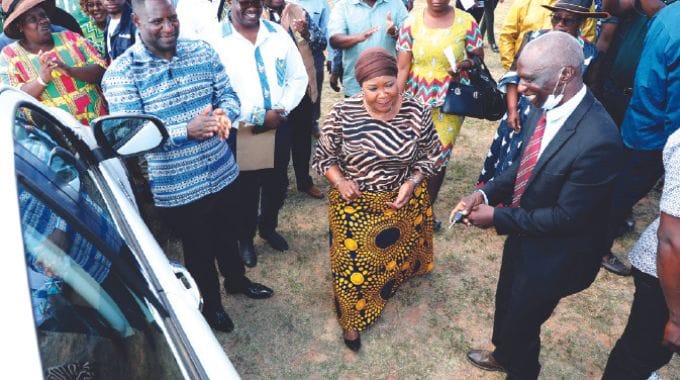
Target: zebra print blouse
{"points": [[378, 155]]}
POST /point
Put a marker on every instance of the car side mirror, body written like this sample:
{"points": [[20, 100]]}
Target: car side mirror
{"points": [[129, 135]]}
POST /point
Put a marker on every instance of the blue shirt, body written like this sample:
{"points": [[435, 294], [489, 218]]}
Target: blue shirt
{"points": [[351, 17], [653, 113], [176, 91]]}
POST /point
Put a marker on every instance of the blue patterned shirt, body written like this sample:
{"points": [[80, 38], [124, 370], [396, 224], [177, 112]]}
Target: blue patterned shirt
{"points": [[183, 170]]}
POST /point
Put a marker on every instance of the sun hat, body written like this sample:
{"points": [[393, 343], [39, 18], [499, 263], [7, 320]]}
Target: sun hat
{"points": [[12, 9], [578, 7]]}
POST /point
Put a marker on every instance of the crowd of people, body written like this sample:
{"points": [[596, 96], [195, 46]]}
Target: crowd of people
{"points": [[591, 127]]}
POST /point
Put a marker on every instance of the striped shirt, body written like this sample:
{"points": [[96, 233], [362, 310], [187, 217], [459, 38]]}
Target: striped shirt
{"points": [[378, 155], [183, 170]]}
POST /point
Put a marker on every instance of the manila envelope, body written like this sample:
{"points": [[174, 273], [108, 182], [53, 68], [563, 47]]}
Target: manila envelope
{"points": [[254, 151]]}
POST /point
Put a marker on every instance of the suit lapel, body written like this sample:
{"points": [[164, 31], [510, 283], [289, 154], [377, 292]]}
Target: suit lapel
{"points": [[564, 133]]}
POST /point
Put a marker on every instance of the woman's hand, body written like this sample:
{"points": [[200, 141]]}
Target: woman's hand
{"points": [[513, 120], [47, 65], [348, 189], [405, 191], [300, 26]]}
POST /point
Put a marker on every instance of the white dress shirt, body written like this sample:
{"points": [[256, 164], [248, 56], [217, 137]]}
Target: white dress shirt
{"points": [[555, 118], [282, 69], [198, 20]]}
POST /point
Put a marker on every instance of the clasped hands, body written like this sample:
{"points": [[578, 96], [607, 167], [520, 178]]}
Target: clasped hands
{"points": [[349, 191], [48, 63], [209, 123], [474, 211]]}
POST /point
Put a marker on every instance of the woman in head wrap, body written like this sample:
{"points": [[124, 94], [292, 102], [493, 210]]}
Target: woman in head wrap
{"points": [[93, 28], [376, 149], [60, 69]]}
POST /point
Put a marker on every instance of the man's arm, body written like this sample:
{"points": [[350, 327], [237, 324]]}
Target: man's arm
{"points": [[668, 269], [585, 187], [296, 79], [225, 97]]}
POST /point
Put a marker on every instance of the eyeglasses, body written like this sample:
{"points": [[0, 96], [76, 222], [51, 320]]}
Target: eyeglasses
{"points": [[566, 21]]}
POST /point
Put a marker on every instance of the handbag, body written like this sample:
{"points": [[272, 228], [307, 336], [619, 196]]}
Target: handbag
{"points": [[481, 99]]}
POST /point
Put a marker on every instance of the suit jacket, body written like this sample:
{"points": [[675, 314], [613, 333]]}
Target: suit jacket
{"points": [[123, 36], [563, 211]]}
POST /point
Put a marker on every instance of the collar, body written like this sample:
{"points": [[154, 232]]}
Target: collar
{"points": [[562, 112], [356, 2], [266, 28], [143, 55]]}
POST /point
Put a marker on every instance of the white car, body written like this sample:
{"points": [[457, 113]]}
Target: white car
{"points": [[87, 290]]}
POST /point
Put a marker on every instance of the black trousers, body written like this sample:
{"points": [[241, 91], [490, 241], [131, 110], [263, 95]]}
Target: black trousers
{"points": [[264, 190], [639, 352], [640, 172], [488, 20], [476, 12], [207, 230], [301, 120], [521, 309]]}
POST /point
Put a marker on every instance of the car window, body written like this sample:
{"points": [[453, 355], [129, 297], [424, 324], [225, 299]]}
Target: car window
{"points": [[93, 312]]}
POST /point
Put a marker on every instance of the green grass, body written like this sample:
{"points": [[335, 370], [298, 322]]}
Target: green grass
{"points": [[433, 320]]}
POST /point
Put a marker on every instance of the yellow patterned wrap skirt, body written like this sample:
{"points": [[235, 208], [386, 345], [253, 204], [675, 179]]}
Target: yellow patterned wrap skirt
{"points": [[374, 249]]}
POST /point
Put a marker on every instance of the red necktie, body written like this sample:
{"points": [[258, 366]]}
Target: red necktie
{"points": [[529, 159]]}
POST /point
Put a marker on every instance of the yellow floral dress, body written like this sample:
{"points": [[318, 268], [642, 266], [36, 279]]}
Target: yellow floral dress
{"points": [[429, 78]]}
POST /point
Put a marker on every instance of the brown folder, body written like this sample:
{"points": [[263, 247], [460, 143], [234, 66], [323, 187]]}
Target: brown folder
{"points": [[254, 151]]}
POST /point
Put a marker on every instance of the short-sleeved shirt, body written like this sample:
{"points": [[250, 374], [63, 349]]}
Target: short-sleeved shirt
{"points": [[350, 17], [643, 254], [429, 77], [83, 100]]}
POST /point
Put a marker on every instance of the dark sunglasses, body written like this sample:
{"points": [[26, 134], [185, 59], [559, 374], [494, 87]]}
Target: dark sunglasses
{"points": [[566, 21]]}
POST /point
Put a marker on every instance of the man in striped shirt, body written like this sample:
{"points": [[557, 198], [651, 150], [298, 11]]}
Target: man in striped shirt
{"points": [[193, 176]]}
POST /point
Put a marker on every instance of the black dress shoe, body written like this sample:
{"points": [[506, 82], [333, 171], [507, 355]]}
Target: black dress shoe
{"points": [[247, 252], [436, 225], [252, 290], [494, 48], [219, 320], [354, 344], [275, 240], [614, 265], [484, 359]]}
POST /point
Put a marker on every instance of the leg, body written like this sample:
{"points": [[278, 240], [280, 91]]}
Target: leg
{"points": [[192, 224], [520, 312], [224, 226], [275, 182], [248, 194], [489, 8], [639, 352], [641, 171], [300, 121]]}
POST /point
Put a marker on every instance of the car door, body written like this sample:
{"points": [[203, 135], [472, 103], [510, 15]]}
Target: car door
{"points": [[94, 312]]}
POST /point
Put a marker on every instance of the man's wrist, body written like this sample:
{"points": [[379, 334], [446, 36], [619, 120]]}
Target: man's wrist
{"points": [[484, 197]]}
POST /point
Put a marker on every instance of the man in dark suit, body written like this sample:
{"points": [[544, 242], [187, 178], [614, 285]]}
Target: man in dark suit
{"points": [[558, 191]]}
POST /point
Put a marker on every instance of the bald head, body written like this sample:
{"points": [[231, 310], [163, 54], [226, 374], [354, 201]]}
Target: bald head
{"points": [[547, 55]]}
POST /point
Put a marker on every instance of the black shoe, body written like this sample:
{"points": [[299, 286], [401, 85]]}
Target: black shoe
{"points": [[247, 252], [625, 227], [354, 344], [484, 359], [494, 47], [219, 320], [252, 290], [436, 225], [614, 265], [275, 240]]}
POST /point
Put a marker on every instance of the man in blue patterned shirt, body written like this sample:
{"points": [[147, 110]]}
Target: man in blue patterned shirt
{"points": [[193, 176]]}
